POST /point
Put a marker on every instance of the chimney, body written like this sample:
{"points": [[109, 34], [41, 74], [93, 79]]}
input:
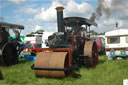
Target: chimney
{"points": [[116, 26], [60, 21]]}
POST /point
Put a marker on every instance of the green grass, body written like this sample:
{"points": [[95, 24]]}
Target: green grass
{"points": [[106, 73]]}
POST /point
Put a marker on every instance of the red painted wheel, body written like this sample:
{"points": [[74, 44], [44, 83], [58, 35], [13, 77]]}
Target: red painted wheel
{"points": [[91, 50]]}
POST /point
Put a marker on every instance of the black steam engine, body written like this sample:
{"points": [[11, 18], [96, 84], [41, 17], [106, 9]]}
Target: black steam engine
{"points": [[70, 45], [8, 45]]}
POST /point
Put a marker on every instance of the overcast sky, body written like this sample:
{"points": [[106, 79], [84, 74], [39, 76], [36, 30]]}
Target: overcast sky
{"points": [[41, 14]]}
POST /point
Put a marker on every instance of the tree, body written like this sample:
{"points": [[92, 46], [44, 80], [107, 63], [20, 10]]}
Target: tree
{"points": [[92, 32], [102, 33], [32, 33], [39, 31]]}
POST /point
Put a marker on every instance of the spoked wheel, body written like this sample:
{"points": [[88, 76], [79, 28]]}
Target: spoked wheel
{"points": [[9, 56], [91, 53]]}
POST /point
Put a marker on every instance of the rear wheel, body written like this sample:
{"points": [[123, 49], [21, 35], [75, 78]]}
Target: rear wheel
{"points": [[9, 54], [91, 53]]}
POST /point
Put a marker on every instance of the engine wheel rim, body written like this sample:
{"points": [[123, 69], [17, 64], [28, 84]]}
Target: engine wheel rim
{"points": [[94, 55]]}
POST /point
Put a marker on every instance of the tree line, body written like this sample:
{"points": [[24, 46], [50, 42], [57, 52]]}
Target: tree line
{"points": [[92, 32]]}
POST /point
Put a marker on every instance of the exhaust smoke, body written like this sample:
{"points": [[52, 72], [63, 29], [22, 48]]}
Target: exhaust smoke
{"points": [[109, 7]]}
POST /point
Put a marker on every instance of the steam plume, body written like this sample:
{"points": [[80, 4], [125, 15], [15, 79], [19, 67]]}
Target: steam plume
{"points": [[109, 7]]}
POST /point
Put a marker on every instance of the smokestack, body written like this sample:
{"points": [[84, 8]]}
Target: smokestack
{"points": [[60, 21], [116, 24]]}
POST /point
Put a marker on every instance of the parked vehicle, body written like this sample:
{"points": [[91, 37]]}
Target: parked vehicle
{"points": [[33, 38], [100, 43], [32, 43], [116, 43], [32, 48]]}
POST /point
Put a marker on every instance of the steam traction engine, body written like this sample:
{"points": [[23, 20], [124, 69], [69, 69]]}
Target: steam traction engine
{"points": [[69, 46], [8, 45]]}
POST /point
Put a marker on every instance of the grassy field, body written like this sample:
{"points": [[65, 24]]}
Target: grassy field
{"points": [[106, 73]]}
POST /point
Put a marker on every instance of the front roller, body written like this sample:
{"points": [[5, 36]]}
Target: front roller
{"points": [[52, 64]]}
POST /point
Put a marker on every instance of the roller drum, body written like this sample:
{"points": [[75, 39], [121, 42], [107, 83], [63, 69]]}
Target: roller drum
{"points": [[52, 60]]}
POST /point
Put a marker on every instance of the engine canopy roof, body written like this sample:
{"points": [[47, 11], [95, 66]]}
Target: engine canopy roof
{"points": [[70, 21]]}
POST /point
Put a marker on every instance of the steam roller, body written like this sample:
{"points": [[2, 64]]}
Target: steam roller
{"points": [[68, 47]]}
